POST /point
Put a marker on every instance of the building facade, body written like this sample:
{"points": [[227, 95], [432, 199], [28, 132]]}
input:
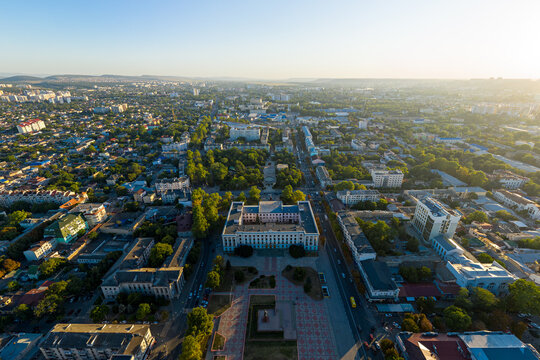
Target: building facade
{"points": [[97, 341], [248, 133], [65, 229], [270, 225], [512, 199], [323, 176], [172, 184], [40, 250], [432, 218], [93, 213], [351, 197], [387, 178], [360, 247], [30, 126]]}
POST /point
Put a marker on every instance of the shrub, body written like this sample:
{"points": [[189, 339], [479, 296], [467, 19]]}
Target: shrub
{"points": [[239, 276], [243, 251], [307, 285], [297, 251], [299, 274]]}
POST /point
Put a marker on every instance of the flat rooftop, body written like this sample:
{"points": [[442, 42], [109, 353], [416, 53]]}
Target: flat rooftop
{"points": [[307, 222]]}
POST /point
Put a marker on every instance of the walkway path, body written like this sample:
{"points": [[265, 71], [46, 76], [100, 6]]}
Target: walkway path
{"points": [[315, 334]]}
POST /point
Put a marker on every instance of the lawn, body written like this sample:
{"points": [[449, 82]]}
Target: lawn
{"points": [[315, 292], [270, 350], [219, 342], [218, 304], [263, 282]]}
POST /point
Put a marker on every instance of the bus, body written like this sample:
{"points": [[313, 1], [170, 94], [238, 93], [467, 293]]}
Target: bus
{"points": [[353, 303]]}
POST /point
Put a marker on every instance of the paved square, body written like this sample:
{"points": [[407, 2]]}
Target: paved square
{"points": [[315, 336]]}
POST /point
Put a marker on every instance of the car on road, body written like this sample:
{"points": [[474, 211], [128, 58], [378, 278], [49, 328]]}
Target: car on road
{"points": [[377, 345], [325, 291], [343, 275], [190, 296], [366, 345], [339, 262], [388, 315]]}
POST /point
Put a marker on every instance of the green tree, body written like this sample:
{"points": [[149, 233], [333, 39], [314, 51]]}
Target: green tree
{"points": [[412, 244], [456, 318], [213, 279], [409, 325], [504, 215], [254, 195], [524, 297], [99, 313], [17, 216], [478, 216], [200, 224], [23, 312], [158, 254], [143, 311], [199, 322], [287, 194], [191, 349], [484, 258]]}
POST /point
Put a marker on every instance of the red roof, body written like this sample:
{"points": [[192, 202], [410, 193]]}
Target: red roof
{"points": [[29, 122], [419, 290], [448, 288], [444, 347]]}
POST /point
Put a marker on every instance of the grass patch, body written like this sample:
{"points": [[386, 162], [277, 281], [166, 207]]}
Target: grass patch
{"points": [[271, 350], [218, 343], [218, 304], [315, 293], [228, 281], [263, 282]]}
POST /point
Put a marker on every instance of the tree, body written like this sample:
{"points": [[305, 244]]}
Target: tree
{"points": [[412, 244], [297, 251], [243, 251], [484, 258], [239, 276], [9, 265], [99, 313], [504, 215], [158, 254], [254, 195], [344, 185], [518, 329], [50, 305], [17, 216], [50, 266], [478, 216], [213, 279], [199, 322], [456, 318], [299, 273], [425, 305], [409, 325], [143, 311], [308, 285], [241, 197], [191, 349], [524, 297], [298, 196], [23, 312], [200, 224], [287, 194]]}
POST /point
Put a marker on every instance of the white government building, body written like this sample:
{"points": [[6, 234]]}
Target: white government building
{"points": [[270, 225]]}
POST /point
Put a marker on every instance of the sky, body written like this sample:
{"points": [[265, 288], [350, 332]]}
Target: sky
{"points": [[275, 39]]}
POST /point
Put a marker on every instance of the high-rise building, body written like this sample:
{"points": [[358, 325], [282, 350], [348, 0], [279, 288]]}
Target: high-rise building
{"points": [[432, 218], [30, 126]]}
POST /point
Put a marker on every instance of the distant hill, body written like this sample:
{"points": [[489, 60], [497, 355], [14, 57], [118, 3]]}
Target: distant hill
{"points": [[21, 78]]}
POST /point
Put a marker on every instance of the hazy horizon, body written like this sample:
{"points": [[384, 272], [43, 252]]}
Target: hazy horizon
{"points": [[274, 41]]}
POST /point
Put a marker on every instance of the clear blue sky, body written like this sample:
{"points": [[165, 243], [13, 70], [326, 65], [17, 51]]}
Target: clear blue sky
{"points": [[273, 39]]}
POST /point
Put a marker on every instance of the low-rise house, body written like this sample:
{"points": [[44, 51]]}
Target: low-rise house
{"points": [[323, 176], [519, 202]]}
